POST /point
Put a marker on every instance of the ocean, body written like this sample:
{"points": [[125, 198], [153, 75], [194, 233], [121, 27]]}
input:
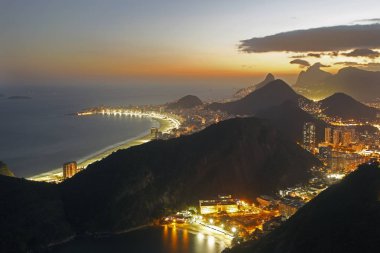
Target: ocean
{"points": [[151, 239], [38, 131]]}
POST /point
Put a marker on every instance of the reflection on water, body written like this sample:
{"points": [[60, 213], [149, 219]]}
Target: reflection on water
{"points": [[154, 239]]}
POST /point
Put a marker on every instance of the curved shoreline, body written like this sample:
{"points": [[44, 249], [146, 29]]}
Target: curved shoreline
{"points": [[55, 174]]}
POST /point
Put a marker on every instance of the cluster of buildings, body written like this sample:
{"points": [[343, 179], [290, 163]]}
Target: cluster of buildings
{"points": [[341, 150]]}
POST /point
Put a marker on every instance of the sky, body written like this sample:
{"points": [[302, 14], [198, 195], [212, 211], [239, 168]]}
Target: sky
{"points": [[205, 39]]}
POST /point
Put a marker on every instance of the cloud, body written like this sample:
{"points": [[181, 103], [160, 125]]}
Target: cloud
{"points": [[316, 55], [369, 20], [301, 63], [323, 39], [347, 63], [363, 52]]}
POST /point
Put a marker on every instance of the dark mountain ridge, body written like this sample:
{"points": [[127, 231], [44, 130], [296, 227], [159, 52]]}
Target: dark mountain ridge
{"points": [[272, 94], [346, 107], [361, 84], [245, 91], [244, 156], [312, 76], [234, 156], [185, 102], [289, 119]]}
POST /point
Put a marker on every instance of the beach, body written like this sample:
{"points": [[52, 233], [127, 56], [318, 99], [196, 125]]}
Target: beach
{"points": [[54, 175]]}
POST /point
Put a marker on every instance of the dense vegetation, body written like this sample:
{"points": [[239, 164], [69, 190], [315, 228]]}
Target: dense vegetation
{"points": [[244, 157], [31, 215], [289, 119]]}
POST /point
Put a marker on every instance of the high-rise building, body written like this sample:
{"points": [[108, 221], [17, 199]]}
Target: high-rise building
{"points": [[336, 137], [347, 138], [328, 135], [69, 169], [309, 140], [154, 132]]}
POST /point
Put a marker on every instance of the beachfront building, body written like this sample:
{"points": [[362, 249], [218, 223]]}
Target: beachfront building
{"points": [[69, 169], [224, 203]]}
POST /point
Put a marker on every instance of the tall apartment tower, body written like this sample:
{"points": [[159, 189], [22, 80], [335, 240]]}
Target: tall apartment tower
{"points": [[69, 169], [309, 140], [336, 137], [328, 135]]}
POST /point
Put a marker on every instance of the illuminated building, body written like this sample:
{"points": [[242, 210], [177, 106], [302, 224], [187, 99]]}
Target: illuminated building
{"points": [[222, 204], [154, 132], [325, 152], [336, 137], [265, 200], [309, 140], [69, 169], [347, 138], [328, 135]]}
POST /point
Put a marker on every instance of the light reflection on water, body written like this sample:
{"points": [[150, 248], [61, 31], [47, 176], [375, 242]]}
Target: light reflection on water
{"points": [[154, 240]]}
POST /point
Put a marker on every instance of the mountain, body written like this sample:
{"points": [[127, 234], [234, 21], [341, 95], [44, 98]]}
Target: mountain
{"points": [[31, 215], [245, 91], [245, 157], [185, 102], [361, 84], [346, 107], [5, 171], [312, 76], [273, 93], [289, 118], [343, 218]]}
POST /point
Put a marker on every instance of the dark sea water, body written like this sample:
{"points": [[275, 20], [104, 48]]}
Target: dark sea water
{"points": [[148, 240], [39, 134]]}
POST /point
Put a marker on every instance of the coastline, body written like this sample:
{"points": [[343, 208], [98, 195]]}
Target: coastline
{"points": [[163, 126]]}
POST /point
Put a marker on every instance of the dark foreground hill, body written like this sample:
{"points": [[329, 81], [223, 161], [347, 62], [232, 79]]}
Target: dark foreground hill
{"points": [[345, 107], [31, 215], [343, 218], [5, 171], [271, 94], [245, 157], [289, 118], [185, 102]]}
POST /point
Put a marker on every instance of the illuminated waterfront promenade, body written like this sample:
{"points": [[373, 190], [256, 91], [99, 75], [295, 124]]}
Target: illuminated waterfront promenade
{"points": [[167, 123]]}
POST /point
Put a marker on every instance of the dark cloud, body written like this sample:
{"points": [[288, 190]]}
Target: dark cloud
{"points": [[336, 38], [316, 55], [363, 52], [300, 62], [347, 63]]}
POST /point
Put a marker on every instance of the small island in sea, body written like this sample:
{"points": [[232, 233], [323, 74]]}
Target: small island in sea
{"points": [[19, 97]]}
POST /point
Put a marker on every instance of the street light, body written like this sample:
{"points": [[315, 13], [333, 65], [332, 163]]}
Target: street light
{"points": [[211, 221], [233, 229]]}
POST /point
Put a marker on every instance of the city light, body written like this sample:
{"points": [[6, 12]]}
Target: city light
{"points": [[233, 229], [200, 236], [211, 221]]}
